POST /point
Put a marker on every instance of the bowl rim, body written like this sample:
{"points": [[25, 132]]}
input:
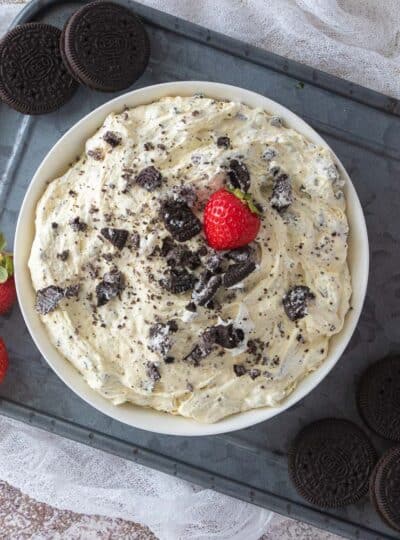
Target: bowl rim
{"points": [[150, 419]]}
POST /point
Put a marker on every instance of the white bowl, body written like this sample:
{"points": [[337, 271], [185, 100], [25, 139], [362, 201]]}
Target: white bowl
{"points": [[55, 163]]}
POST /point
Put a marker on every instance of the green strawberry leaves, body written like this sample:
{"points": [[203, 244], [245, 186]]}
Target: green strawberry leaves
{"points": [[247, 199], [6, 261]]}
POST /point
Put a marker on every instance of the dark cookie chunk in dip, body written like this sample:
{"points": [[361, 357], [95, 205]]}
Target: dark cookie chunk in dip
{"points": [[281, 193], [178, 280], [63, 256], [178, 255], [254, 373], [111, 286], [117, 237], [48, 298], [228, 336], [96, 153], [112, 138], [224, 142], [149, 178], [148, 146], [206, 288], [203, 348], [240, 255], [213, 263], [72, 291], [239, 175], [237, 272], [239, 370], [153, 372], [186, 194], [295, 302], [159, 340], [77, 225], [179, 220]]}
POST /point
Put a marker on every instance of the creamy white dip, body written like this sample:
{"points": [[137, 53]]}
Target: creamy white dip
{"points": [[305, 244]]}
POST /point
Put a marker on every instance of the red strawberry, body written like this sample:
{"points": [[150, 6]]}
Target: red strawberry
{"points": [[7, 295], [231, 220], [7, 285], [3, 360]]}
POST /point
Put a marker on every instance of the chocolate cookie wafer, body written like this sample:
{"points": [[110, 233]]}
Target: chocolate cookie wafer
{"points": [[105, 46], [385, 488], [378, 398], [330, 463], [33, 78]]}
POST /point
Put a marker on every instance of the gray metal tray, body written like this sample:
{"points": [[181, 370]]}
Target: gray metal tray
{"points": [[363, 128]]}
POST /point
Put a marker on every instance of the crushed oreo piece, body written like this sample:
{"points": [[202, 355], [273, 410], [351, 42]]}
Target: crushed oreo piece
{"points": [[153, 372], [224, 142], [295, 302], [213, 263], [240, 255], [269, 154], [206, 288], [254, 373], [168, 245], [111, 286], [63, 256], [117, 237], [159, 340], [149, 178], [228, 336], [239, 175], [173, 326], [178, 280], [48, 298], [281, 193], [186, 194], [77, 225], [134, 240], [92, 270], [237, 272], [72, 291], [202, 251], [180, 256], [179, 220], [148, 146], [239, 370], [96, 153], [54, 225], [112, 138], [276, 121], [191, 306], [203, 348]]}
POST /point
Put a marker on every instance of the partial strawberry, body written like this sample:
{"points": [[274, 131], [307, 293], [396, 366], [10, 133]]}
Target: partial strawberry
{"points": [[231, 219], [3, 360], [7, 285]]}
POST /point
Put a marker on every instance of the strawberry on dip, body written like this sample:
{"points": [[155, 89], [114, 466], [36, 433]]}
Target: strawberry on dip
{"points": [[231, 220]]}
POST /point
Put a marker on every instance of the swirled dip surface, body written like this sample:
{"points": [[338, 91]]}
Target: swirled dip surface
{"points": [[126, 327]]}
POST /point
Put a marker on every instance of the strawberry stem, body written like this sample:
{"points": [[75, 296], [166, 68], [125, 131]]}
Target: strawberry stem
{"points": [[246, 198]]}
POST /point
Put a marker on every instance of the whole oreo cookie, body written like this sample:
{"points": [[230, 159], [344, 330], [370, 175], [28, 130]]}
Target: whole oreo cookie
{"points": [[330, 463], [385, 488], [33, 78], [105, 46], [378, 398]]}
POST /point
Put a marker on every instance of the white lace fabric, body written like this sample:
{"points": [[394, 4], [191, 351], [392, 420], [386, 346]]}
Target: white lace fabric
{"points": [[359, 41]]}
